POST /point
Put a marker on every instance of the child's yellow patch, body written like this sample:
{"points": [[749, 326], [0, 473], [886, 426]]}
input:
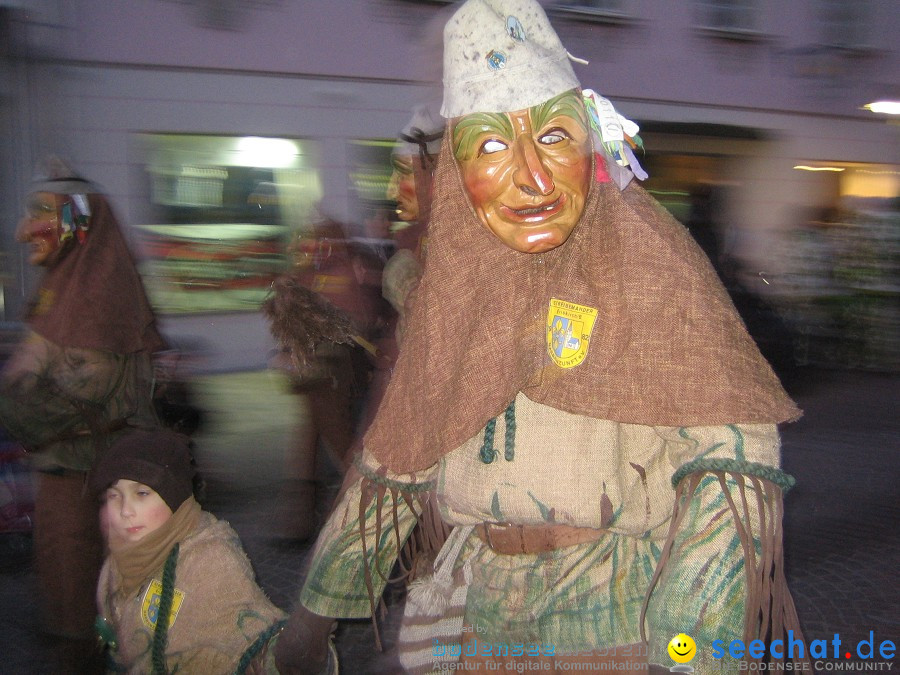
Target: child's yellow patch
{"points": [[150, 604]]}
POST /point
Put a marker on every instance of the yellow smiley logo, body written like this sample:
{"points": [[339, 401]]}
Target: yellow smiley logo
{"points": [[682, 648]]}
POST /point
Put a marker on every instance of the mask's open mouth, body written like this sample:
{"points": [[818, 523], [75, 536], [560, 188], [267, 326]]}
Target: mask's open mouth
{"points": [[536, 213]]}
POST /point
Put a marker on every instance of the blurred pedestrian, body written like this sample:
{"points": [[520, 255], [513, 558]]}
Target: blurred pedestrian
{"points": [[177, 593], [78, 379], [332, 380]]}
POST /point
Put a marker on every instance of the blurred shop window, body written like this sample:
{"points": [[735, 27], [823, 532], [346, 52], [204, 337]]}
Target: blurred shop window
{"points": [[221, 212], [728, 18], [189, 186], [842, 285], [844, 24], [675, 178]]}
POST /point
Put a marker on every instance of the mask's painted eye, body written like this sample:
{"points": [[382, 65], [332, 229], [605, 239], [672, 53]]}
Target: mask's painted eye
{"points": [[39, 207], [491, 146], [553, 137]]}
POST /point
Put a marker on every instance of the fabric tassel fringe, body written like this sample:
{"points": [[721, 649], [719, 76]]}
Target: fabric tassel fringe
{"points": [[417, 553], [769, 610]]}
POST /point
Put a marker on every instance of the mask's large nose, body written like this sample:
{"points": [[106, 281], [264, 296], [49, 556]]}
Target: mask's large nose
{"points": [[30, 228], [531, 176]]}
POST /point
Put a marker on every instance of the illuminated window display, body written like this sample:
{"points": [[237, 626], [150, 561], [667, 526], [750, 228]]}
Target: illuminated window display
{"points": [[222, 209]]}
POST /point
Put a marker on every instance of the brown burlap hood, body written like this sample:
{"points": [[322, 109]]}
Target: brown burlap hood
{"points": [[668, 347], [93, 296]]}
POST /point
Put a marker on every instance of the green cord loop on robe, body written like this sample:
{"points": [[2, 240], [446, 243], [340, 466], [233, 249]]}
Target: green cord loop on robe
{"points": [[771, 473], [257, 646], [487, 453], [375, 477]]}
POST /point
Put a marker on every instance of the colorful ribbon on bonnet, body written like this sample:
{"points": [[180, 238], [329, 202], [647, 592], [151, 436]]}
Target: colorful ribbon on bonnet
{"points": [[617, 135]]}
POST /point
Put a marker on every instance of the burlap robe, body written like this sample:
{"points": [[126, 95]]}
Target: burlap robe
{"points": [[68, 535], [668, 346]]}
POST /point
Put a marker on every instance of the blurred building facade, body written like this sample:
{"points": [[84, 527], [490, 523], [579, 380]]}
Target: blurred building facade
{"points": [[220, 127]]}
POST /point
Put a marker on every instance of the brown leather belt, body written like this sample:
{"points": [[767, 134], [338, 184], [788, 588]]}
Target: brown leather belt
{"points": [[530, 539]]}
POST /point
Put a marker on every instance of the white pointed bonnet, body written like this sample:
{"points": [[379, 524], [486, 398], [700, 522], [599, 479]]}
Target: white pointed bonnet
{"points": [[501, 56]]}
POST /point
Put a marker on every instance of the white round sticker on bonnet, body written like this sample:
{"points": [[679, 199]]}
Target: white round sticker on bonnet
{"points": [[502, 56]]}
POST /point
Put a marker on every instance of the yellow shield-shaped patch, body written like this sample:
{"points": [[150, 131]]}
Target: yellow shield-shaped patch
{"points": [[45, 301], [569, 328], [150, 604]]}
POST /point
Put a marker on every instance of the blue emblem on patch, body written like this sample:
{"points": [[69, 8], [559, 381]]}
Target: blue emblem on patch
{"points": [[514, 29], [562, 337], [150, 604], [496, 60]]}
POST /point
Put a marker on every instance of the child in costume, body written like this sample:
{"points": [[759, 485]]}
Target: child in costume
{"points": [[177, 592], [577, 393]]}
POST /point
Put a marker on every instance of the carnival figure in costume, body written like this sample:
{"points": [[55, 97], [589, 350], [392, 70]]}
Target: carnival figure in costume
{"points": [[575, 390], [413, 161], [323, 313], [78, 379]]}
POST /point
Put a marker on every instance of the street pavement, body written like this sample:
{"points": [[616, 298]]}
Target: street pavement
{"points": [[841, 524]]}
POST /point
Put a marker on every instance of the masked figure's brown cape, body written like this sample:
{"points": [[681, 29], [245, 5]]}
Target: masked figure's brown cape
{"points": [[93, 296], [668, 346]]}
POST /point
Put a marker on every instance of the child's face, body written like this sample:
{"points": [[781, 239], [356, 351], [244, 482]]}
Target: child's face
{"points": [[132, 510]]}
